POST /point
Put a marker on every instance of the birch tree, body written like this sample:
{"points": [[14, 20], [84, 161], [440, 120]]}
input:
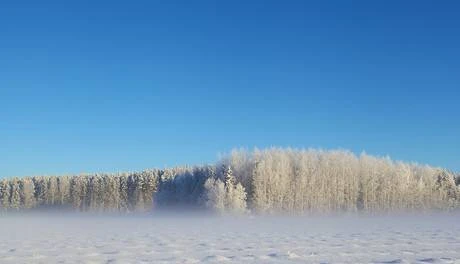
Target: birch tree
{"points": [[26, 186]]}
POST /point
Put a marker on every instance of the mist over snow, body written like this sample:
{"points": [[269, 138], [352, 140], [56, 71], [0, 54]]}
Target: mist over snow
{"points": [[160, 87], [266, 206], [193, 238]]}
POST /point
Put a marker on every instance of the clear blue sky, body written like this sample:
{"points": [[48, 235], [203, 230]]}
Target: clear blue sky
{"points": [[110, 86]]}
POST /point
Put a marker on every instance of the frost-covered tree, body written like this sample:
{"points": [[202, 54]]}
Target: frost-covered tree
{"points": [[215, 195], [242, 163], [182, 186], [123, 193], [75, 195], [238, 204], [300, 181], [225, 196], [4, 195], [138, 194], [63, 190], [111, 194], [41, 190], [52, 191], [229, 182], [26, 186], [132, 198], [78, 192], [149, 187], [273, 180], [15, 194], [235, 194], [446, 185], [95, 193], [135, 183]]}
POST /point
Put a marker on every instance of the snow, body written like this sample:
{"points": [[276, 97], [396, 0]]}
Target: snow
{"points": [[198, 239]]}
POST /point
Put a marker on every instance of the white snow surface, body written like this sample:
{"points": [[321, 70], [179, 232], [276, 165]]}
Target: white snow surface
{"points": [[193, 239]]}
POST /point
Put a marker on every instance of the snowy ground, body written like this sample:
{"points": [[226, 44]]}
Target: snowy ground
{"points": [[187, 239]]}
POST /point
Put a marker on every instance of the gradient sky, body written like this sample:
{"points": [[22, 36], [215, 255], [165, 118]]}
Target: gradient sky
{"points": [[111, 86]]}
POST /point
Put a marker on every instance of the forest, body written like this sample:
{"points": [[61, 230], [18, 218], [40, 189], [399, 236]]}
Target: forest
{"points": [[268, 181]]}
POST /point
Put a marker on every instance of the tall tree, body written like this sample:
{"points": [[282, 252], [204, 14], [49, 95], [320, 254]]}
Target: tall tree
{"points": [[215, 195], [123, 192], [4, 195], [15, 194], [63, 190], [27, 193]]}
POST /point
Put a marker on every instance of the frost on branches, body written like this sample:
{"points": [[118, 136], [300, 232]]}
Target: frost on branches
{"points": [[225, 196], [275, 180]]}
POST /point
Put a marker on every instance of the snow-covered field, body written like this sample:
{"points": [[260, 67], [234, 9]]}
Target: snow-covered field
{"points": [[192, 239]]}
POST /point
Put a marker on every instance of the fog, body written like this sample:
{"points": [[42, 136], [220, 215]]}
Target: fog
{"points": [[176, 237], [266, 206]]}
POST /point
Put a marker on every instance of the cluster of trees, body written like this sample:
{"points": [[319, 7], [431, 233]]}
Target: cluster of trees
{"points": [[201, 187], [99, 192], [265, 181], [227, 195], [302, 181]]}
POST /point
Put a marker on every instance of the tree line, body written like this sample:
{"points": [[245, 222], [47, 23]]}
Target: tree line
{"points": [[274, 180], [99, 192], [309, 180]]}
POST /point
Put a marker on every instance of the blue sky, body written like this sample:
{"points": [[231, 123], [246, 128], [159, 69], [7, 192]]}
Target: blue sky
{"points": [[111, 86]]}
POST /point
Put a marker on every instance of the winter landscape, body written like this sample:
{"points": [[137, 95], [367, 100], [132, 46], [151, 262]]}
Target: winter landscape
{"points": [[197, 239], [274, 205], [214, 131]]}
